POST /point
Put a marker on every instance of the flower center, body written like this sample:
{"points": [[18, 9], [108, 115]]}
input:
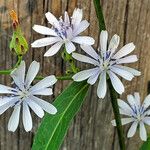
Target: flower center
{"points": [[63, 30], [23, 94]]}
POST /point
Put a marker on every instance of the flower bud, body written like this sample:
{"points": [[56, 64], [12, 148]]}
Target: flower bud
{"points": [[18, 42]]}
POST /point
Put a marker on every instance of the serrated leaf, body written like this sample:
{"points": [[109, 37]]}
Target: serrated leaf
{"points": [[53, 128]]}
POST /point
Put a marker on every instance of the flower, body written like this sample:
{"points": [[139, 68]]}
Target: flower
{"points": [[25, 94], [63, 32], [107, 62], [137, 113]]}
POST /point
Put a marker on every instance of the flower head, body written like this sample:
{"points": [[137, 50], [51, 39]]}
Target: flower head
{"points": [[107, 62], [24, 95], [63, 31], [138, 114]]}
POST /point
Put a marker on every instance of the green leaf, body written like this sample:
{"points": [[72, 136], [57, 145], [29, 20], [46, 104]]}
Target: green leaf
{"points": [[53, 128], [146, 145]]}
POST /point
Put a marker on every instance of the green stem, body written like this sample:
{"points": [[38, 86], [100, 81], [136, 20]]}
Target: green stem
{"points": [[113, 93], [68, 58], [58, 78], [7, 72], [114, 103]]}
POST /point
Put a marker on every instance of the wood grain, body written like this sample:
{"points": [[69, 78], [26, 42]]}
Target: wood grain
{"points": [[91, 129]]}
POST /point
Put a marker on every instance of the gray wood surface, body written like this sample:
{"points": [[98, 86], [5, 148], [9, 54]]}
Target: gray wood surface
{"points": [[91, 129]]}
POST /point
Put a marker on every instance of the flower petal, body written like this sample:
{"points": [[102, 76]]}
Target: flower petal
{"points": [[18, 75], [44, 30], [66, 18], [117, 84], [52, 19], [143, 134], [113, 44], [83, 40], [92, 79], [44, 83], [45, 41], [131, 70], [54, 49], [49, 108], [131, 100], [70, 47], [125, 50], [102, 85], [128, 59], [81, 27], [146, 102], [85, 59], [123, 73], [76, 17], [132, 129], [123, 121], [89, 50], [125, 108], [32, 72], [14, 119], [36, 108], [8, 104], [45, 91], [146, 120], [83, 75], [137, 98], [103, 41], [7, 90], [27, 120]]}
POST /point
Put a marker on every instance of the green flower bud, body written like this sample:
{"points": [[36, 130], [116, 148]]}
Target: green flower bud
{"points": [[18, 42]]}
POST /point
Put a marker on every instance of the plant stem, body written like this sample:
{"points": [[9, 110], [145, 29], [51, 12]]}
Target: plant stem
{"points": [[113, 93], [58, 78], [6, 72], [114, 103]]}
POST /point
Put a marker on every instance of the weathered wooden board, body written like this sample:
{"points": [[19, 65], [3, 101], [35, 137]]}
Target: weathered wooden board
{"points": [[91, 129]]}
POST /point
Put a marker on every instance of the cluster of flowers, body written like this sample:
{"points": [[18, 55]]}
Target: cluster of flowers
{"points": [[107, 63]]}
